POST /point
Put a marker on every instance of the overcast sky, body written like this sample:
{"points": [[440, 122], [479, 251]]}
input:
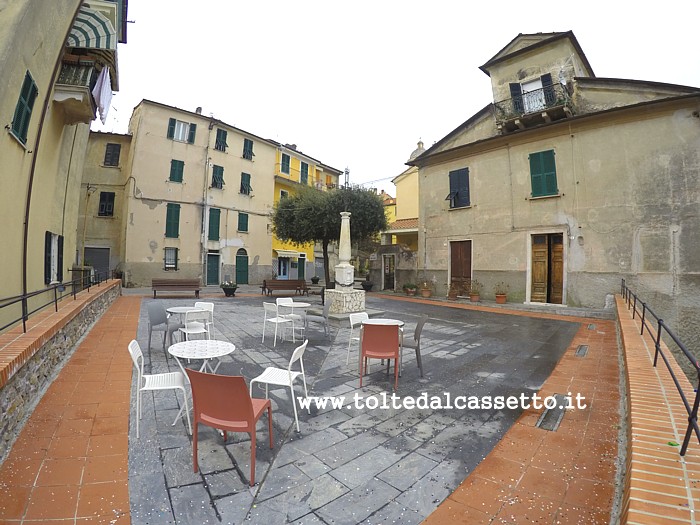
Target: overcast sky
{"points": [[356, 84]]}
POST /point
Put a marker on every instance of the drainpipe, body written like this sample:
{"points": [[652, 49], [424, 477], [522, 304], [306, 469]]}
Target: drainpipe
{"points": [[205, 206], [47, 103]]}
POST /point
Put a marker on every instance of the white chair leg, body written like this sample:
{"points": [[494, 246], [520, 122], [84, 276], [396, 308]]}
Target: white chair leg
{"points": [[138, 411], [294, 405]]}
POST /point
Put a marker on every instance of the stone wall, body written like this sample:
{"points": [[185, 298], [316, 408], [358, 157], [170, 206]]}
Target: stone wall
{"points": [[20, 395]]}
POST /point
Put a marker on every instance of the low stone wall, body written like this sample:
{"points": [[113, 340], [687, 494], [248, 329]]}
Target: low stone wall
{"points": [[28, 383]]}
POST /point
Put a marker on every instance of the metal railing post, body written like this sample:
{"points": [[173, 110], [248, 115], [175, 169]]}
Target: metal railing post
{"points": [[657, 343]]}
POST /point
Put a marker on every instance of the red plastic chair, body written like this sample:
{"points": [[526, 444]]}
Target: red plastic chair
{"points": [[223, 402], [380, 342]]}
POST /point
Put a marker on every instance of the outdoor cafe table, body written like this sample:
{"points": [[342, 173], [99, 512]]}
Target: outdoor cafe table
{"points": [[182, 310], [298, 305], [387, 322], [204, 349]]}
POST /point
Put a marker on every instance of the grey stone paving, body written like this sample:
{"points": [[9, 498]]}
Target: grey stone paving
{"points": [[346, 466]]}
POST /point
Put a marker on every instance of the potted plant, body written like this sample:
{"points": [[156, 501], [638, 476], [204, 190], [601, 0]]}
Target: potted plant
{"points": [[426, 289], [315, 279], [500, 290], [474, 291], [454, 290], [229, 288], [410, 288], [367, 284]]}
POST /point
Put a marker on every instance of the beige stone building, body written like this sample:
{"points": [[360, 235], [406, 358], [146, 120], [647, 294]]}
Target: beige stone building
{"points": [[565, 183], [191, 198], [52, 57]]}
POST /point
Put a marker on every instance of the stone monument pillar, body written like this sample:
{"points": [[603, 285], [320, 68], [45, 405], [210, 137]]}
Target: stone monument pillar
{"points": [[344, 298]]}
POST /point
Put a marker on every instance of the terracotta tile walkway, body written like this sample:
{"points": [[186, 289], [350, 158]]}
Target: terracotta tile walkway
{"points": [[69, 463]]}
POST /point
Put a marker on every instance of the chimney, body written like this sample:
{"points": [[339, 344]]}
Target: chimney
{"points": [[291, 146], [198, 111]]}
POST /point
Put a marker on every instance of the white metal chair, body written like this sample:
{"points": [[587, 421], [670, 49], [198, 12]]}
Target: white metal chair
{"points": [[196, 322], [158, 321], [355, 320], [285, 377], [321, 319], [210, 308], [272, 316], [285, 308], [146, 382]]}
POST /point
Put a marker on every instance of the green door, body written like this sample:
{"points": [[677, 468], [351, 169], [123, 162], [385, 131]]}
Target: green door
{"points": [[212, 268], [301, 270], [242, 267]]}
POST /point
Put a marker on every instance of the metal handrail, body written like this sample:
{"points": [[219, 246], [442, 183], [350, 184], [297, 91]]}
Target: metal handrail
{"points": [[634, 303], [57, 293]]}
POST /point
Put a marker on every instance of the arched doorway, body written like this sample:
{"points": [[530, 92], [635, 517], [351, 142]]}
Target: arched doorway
{"points": [[242, 266]]}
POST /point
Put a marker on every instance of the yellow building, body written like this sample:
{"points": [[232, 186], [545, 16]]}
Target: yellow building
{"points": [[58, 63], [192, 198], [292, 170]]}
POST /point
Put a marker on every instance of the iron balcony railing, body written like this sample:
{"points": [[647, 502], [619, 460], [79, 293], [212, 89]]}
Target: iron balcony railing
{"points": [[82, 75], [50, 295], [656, 328], [536, 101]]}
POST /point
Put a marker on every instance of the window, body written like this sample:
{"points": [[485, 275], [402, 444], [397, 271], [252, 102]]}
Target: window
{"points": [[543, 174], [220, 144], [170, 259], [53, 258], [181, 131], [283, 194], [285, 163], [248, 149], [533, 95], [214, 220], [242, 222], [459, 188], [106, 208], [304, 176], [172, 221], [23, 110], [217, 180], [112, 154], [177, 169], [246, 188]]}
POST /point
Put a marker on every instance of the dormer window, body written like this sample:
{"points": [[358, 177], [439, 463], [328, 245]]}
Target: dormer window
{"points": [[534, 95]]}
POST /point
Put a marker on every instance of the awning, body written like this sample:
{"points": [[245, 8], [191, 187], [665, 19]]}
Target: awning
{"points": [[92, 30], [292, 254]]}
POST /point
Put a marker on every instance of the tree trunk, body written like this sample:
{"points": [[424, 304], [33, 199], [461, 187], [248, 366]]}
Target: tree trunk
{"points": [[326, 269]]}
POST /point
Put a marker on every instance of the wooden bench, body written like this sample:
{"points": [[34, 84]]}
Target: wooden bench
{"points": [[176, 285], [298, 285]]}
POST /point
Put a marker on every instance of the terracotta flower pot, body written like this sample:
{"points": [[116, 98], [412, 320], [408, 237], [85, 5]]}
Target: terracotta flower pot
{"points": [[410, 291], [501, 298], [474, 297]]}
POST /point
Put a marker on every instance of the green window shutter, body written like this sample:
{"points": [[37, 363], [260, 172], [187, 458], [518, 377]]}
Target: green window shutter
{"points": [[177, 168], [59, 272], [248, 149], [221, 136], [112, 152], [214, 220], [304, 173], [47, 257], [23, 110], [172, 221], [217, 180], [193, 132], [246, 188], [285, 163], [171, 128], [543, 174], [459, 188], [242, 222]]}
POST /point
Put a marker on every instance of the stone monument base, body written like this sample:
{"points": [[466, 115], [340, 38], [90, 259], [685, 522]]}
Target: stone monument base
{"points": [[345, 301]]}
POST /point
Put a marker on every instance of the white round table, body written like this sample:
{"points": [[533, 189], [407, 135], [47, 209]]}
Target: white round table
{"points": [[204, 349], [182, 310]]}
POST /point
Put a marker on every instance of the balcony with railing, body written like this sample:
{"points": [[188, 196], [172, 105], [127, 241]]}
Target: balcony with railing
{"points": [[548, 104], [74, 91]]}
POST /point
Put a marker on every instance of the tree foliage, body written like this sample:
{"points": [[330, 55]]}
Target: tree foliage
{"points": [[314, 216]]}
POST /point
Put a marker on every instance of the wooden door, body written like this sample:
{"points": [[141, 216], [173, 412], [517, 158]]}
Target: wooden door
{"points": [[460, 263], [212, 268], [389, 269], [556, 264], [547, 284]]}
